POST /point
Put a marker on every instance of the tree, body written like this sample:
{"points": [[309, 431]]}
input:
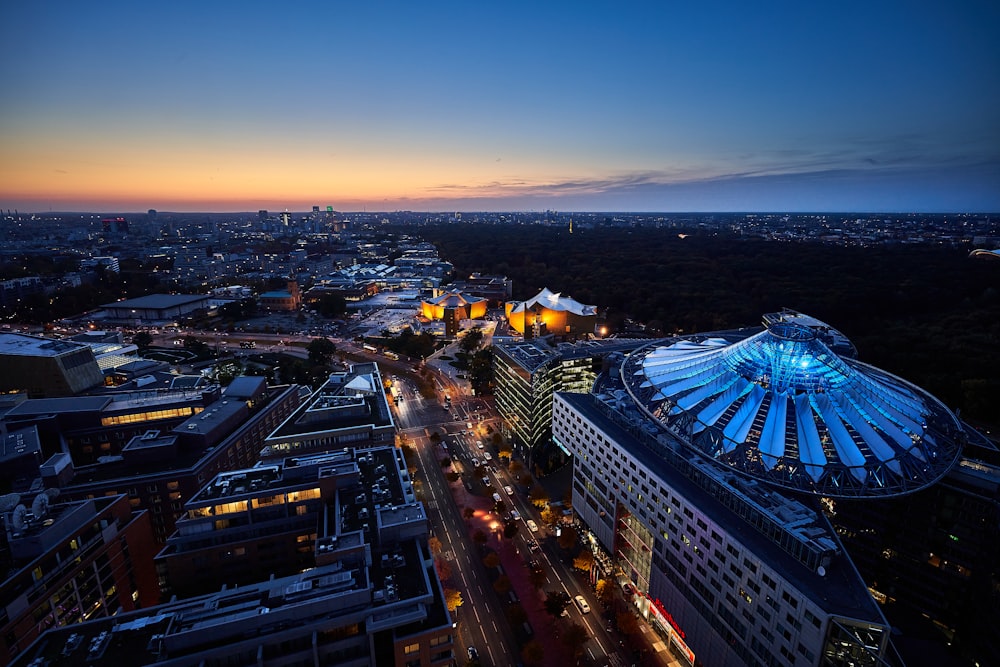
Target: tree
{"points": [[320, 350], [538, 496], [550, 516], [584, 561], [445, 462], [502, 584], [452, 599], [556, 602], [627, 622], [568, 538], [491, 559], [537, 578], [533, 653], [480, 538], [510, 529], [443, 568], [434, 544], [605, 591], [516, 614], [468, 513], [142, 340], [574, 638]]}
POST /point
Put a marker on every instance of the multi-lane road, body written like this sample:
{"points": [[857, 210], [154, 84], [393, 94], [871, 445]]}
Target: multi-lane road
{"points": [[482, 618]]}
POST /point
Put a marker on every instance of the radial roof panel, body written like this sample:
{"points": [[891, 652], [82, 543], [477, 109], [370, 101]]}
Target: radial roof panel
{"points": [[781, 406]]}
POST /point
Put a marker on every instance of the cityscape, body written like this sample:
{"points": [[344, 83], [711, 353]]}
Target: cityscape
{"points": [[473, 335], [309, 438]]}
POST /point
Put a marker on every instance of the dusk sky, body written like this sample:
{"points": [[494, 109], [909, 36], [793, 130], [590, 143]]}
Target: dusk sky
{"points": [[478, 106]]}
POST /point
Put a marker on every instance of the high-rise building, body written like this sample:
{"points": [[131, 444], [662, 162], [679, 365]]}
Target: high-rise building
{"points": [[702, 464], [527, 373]]}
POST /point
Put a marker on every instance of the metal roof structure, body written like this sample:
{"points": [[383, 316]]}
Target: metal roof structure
{"points": [[780, 406]]}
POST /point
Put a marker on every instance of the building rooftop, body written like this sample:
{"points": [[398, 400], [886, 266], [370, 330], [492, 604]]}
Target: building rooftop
{"points": [[782, 406], [36, 346], [347, 400], [555, 301], [157, 301]]}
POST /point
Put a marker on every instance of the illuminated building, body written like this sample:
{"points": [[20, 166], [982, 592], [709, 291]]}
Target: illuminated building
{"points": [[156, 447], [43, 367], [289, 299], [527, 373], [699, 462], [70, 561], [321, 558], [453, 307], [551, 313]]}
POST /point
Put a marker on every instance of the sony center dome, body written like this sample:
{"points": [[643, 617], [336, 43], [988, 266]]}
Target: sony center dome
{"points": [[783, 407]]}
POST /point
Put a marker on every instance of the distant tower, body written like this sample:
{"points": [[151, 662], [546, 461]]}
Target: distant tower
{"points": [[571, 225], [285, 218], [262, 215], [152, 214]]}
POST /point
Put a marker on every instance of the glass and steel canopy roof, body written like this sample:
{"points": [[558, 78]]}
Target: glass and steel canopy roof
{"points": [[781, 406]]}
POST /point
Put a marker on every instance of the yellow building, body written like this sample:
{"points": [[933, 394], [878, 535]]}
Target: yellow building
{"points": [[551, 313], [453, 307]]}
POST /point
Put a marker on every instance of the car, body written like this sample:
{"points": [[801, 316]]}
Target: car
{"points": [[475, 463], [582, 604], [487, 456], [486, 481], [515, 515], [473, 653], [480, 445], [532, 526], [509, 491], [533, 546], [496, 498]]}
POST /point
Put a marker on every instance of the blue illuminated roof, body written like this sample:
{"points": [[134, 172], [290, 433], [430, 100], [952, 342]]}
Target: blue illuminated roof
{"points": [[781, 406]]}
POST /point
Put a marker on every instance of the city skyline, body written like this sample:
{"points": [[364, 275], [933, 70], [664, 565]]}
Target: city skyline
{"points": [[231, 107]]}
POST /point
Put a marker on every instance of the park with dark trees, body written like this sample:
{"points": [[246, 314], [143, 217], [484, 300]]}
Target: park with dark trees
{"points": [[928, 313]]}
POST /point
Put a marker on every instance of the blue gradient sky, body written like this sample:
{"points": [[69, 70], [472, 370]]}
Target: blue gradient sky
{"points": [[646, 106]]}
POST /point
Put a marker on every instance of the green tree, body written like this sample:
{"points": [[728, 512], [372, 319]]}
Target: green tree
{"points": [[142, 340], [556, 602], [320, 350]]}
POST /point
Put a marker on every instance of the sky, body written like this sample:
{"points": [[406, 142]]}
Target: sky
{"points": [[516, 106]]}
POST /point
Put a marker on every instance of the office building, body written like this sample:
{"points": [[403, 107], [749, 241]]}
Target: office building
{"points": [[349, 410], [319, 559], [527, 374], [701, 463], [66, 562], [157, 447]]}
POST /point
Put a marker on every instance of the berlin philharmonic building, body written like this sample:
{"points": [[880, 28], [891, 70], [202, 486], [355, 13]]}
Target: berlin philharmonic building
{"points": [[703, 463]]}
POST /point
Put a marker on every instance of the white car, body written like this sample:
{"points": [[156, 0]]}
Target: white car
{"points": [[487, 456], [509, 491], [532, 526], [582, 604]]}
